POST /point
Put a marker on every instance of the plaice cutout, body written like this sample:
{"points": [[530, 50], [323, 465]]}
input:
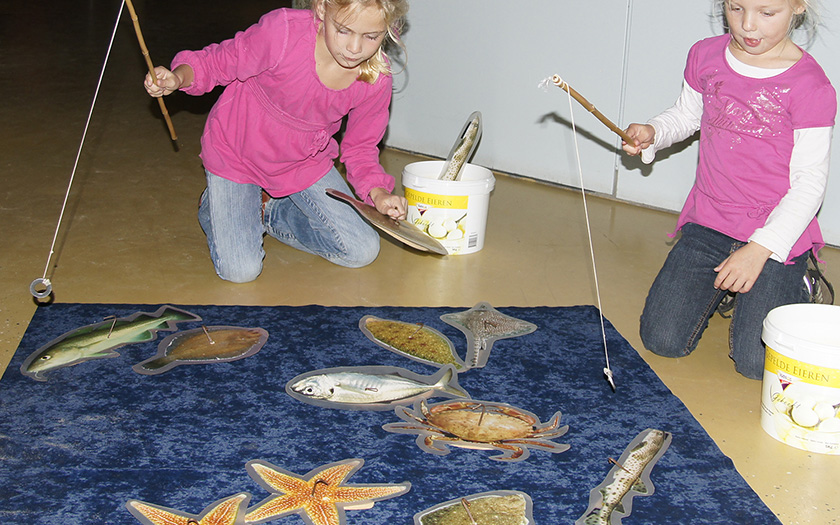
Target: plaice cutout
{"points": [[482, 425], [208, 344], [613, 499], [483, 325], [99, 340], [498, 507], [402, 230], [371, 387], [413, 340]]}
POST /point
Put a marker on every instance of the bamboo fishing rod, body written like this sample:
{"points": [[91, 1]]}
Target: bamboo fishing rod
{"points": [[559, 82], [151, 66]]}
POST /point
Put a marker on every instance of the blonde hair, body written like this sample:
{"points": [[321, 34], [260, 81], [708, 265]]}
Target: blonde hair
{"points": [[393, 11], [806, 22]]}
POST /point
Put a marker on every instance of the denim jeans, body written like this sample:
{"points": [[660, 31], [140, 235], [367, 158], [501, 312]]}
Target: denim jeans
{"points": [[683, 298], [234, 219]]}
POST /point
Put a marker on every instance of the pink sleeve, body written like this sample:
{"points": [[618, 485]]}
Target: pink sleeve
{"points": [[247, 54], [366, 125]]}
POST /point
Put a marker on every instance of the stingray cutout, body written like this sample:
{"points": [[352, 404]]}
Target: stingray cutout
{"points": [[226, 511], [320, 497], [210, 344], [481, 425], [500, 507], [415, 341], [374, 382], [483, 325], [613, 498], [99, 340]]}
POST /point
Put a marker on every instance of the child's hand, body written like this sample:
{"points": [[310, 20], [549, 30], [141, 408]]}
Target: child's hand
{"points": [[642, 134], [386, 203], [165, 82], [738, 272]]}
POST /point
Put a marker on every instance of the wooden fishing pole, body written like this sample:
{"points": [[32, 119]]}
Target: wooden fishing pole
{"points": [[151, 67], [559, 82]]}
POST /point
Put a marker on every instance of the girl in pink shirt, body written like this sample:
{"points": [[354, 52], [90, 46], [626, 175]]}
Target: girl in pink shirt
{"points": [[268, 150], [765, 111]]}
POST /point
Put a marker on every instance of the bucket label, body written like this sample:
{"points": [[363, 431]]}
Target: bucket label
{"points": [[782, 365], [800, 402], [443, 217], [456, 202]]}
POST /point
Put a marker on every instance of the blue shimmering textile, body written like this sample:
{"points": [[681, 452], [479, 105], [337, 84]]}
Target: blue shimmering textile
{"points": [[75, 448]]}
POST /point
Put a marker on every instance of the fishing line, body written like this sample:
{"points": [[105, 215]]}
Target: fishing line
{"points": [[42, 287], [556, 80]]}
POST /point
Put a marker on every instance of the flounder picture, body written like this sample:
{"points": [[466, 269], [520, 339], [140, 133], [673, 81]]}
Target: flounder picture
{"points": [[99, 340], [372, 387], [210, 344], [413, 340], [499, 507]]}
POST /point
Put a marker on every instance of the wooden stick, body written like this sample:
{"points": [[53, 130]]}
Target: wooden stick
{"points": [[151, 66], [557, 81]]}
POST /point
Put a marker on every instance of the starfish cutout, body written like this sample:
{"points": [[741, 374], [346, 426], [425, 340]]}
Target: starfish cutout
{"points": [[483, 324], [319, 496], [223, 512]]}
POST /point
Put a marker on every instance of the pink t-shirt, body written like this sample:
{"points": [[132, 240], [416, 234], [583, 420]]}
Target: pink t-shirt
{"points": [[274, 123], [746, 140]]}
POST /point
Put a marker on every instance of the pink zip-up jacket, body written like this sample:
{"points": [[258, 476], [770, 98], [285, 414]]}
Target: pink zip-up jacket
{"points": [[274, 123]]}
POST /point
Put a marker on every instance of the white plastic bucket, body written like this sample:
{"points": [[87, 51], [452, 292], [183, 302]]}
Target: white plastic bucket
{"points": [[453, 212], [800, 394]]}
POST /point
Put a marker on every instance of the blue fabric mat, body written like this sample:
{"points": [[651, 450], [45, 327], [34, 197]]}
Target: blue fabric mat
{"points": [[77, 447]]}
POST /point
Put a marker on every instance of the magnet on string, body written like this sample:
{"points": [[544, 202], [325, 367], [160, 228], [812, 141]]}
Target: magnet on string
{"points": [[35, 290]]}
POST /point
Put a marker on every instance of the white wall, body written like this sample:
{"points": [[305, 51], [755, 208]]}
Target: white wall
{"points": [[625, 56]]}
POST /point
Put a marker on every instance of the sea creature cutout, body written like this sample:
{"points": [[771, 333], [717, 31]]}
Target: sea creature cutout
{"points": [[98, 341], [372, 387], [208, 344], [480, 425], [228, 511], [320, 497], [483, 325], [613, 499], [499, 507], [415, 341]]}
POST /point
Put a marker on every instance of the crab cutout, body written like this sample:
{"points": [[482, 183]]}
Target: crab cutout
{"points": [[479, 425]]}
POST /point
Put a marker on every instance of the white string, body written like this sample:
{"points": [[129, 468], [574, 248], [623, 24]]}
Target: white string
{"points": [[607, 370], [81, 145]]}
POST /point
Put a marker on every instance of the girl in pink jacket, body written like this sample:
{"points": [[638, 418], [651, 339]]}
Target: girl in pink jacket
{"points": [[268, 148]]}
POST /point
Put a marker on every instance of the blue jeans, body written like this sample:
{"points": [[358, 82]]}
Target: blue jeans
{"points": [[683, 298], [234, 219]]}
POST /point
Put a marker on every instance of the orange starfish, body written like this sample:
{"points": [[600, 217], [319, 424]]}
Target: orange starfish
{"points": [[319, 496], [222, 512]]}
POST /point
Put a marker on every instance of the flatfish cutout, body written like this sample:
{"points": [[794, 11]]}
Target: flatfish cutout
{"points": [[483, 325], [372, 387], [498, 507], [613, 499], [211, 344], [415, 341]]}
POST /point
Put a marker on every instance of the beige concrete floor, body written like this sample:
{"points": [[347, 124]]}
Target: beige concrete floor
{"points": [[130, 235]]}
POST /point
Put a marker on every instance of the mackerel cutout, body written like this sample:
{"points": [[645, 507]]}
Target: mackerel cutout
{"points": [[613, 499]]}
